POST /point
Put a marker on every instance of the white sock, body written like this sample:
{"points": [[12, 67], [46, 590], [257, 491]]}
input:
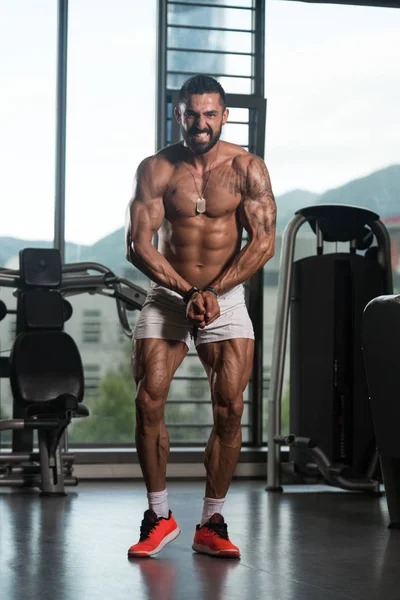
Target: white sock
{"points": [[158, 501], [210, 507]]}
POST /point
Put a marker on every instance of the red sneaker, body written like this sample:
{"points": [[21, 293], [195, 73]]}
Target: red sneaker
{"points": [[212, 538], [155, 533]]}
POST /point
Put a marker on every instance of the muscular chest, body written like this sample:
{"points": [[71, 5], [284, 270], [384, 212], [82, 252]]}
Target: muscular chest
{"points": [[222, 190]]}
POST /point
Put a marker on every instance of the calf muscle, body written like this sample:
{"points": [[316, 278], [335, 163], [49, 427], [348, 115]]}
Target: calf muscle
{"points": [[154, 364]]}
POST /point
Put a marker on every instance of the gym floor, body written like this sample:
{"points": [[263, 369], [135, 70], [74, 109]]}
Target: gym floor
{"points": [[309, 543]]}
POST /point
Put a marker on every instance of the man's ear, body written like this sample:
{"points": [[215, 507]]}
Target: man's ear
{"points": [[177, 113], [225, 116]]}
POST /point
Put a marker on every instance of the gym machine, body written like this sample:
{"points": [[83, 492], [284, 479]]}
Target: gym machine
{"points": [[381, 337], [44, 365], [326, 294]]}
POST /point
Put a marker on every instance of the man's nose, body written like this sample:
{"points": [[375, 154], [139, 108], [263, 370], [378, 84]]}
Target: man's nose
{"points": [[202, 123]]}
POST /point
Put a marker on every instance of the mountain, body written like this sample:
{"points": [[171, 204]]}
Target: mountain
{"points": [[379, 191], [288, 203], [109, 251], [10, 247]]}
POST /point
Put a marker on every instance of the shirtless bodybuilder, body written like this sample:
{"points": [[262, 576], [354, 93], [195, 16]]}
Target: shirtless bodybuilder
{"points": [[198, 195]]}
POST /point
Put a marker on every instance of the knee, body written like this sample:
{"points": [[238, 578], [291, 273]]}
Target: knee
{"points": [[150, 402], [228, 412]]}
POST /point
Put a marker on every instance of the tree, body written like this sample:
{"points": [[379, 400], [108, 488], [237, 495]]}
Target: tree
{"points": [[112, 411]]}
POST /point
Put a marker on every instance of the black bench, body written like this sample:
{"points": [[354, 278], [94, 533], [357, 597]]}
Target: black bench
{"points": [[381, 339], [46, 377]]}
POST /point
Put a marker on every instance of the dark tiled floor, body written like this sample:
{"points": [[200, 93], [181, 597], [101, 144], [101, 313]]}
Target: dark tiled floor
{"points": [[308, 543]]}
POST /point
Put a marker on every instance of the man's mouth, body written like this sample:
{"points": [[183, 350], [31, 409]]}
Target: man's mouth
{"points": [[201, 137]]}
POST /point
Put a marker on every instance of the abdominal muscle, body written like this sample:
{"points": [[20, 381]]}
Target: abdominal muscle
{"points": [[199, 248]]}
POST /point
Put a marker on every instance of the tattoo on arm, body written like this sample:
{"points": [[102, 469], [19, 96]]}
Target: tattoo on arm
{"points": [[257, 214], [259, 202], [232, 180]]}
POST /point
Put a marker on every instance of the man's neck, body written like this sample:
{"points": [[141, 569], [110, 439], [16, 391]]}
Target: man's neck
{"points": [[203, 162]]}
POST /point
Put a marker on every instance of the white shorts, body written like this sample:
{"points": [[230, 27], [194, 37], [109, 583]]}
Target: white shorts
{"points": [[163, 316]]}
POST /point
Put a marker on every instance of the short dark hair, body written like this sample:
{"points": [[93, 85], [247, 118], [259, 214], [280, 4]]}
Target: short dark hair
{"points": [[201, 84]]}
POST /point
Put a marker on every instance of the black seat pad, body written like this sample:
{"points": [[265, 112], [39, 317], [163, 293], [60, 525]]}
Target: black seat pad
{"points": [[58, 407], [46, 367]]}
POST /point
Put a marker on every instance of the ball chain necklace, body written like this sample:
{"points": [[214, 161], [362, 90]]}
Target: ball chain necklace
{"points": [[201, 201]]}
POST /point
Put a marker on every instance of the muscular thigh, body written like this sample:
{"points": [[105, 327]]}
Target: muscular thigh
{"points": [[228, 365], [154, 361]]}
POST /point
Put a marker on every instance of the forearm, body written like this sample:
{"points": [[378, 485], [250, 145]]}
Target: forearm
{"points": [[245, 264], [156, 267]]}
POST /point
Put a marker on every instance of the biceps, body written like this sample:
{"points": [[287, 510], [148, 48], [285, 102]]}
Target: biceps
{"points": [[259, 218], [146, 219]]}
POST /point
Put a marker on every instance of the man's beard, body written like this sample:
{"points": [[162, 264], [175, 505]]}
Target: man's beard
{"points": [[197, 146]]}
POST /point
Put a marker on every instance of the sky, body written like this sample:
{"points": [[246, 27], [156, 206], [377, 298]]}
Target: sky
{"points": [[332, 89]]}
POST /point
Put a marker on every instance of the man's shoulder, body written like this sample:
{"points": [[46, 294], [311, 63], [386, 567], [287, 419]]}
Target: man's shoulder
{"points": [[170, 154], [232, 150], [154, 161], [242, 159], [158, 165]]}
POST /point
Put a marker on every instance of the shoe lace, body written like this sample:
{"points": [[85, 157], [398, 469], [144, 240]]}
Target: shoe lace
{"points": [[146, 528], [220, 529]]}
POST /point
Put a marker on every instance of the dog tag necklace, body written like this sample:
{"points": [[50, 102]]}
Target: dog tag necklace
{"points": [[201, 201]]}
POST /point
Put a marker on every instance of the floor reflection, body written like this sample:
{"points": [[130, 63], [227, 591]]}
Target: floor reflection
{"points": [[33, 524], [166, 578], [299, 545], [214, 575]]}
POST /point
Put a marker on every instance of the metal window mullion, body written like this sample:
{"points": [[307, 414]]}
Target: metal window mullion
{"points": [[61, 136], [230, 123], [213, 74], [244, 101], [175, 129], [238, 123], [259, 48], [161, 75], [61, 127], [202, 50], [256, 288], [204, 28], [200, 5]]}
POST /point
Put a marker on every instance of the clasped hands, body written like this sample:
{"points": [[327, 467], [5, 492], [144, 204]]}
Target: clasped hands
{"points": [[202, 309]]}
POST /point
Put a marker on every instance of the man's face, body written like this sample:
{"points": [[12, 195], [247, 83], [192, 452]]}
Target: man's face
{"points": [[201, 120]]}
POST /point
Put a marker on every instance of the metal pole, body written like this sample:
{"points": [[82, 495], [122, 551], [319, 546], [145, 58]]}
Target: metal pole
{"points": [[61, 122], [61, 132], [320, 239], [256, 310], [383, 239], [161, 117], [279, 349], [256, 288], [259, 57]]}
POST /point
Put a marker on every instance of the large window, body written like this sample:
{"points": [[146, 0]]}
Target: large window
{"points": [[333, 134], [110, 121], [28, 32], [220, 41], [110, 129], [333, 96]]}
